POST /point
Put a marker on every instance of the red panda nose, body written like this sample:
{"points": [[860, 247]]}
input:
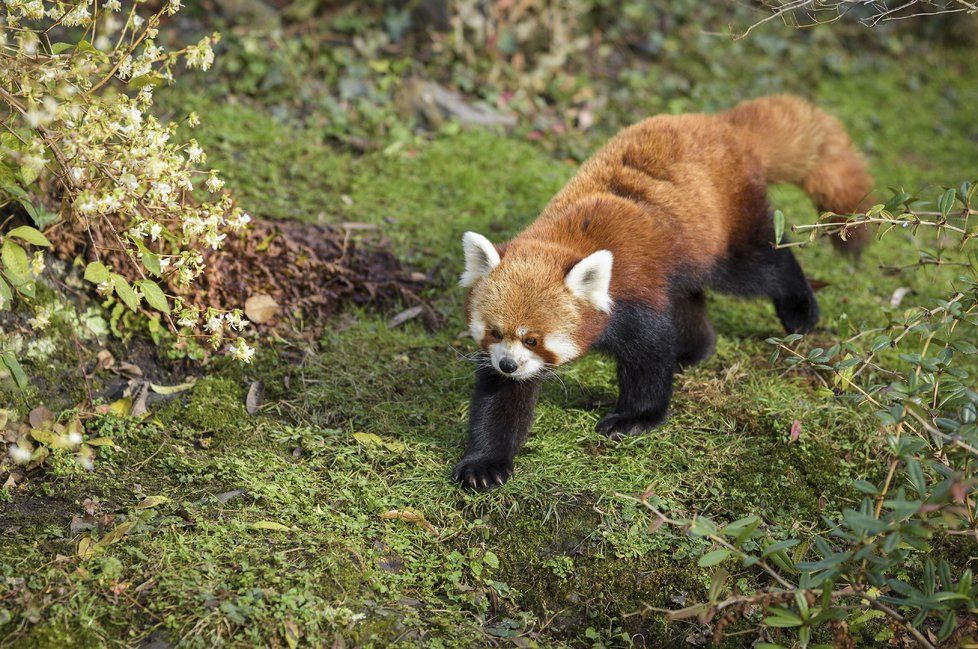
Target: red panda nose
{"points": [[507, 364]]}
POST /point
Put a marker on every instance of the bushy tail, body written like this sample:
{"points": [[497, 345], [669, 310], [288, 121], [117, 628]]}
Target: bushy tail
{"points": [[801, 144]]}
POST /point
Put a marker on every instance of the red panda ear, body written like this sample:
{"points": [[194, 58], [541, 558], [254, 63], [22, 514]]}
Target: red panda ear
{"points": [[590, 279], [480, 258]]}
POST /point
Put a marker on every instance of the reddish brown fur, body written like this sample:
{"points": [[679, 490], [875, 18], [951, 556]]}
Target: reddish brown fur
{"points": [[670, 195]]}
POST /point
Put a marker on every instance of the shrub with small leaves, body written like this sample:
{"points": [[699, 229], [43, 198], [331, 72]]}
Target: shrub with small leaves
{"points": [[82, 152], [893, 554]]}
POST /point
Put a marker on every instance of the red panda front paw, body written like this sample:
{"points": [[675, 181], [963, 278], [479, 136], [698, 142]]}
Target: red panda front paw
{"points": [[482, 473], [617, 426]]}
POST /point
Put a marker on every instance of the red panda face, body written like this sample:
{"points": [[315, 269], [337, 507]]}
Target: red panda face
{"points": [[525, 309]]}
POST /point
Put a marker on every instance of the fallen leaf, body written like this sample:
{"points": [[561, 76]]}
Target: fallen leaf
{"points": [[121, 407], [261, 308], [40, 416], [292, 634], [270, 525], [139, 399], [371, 439], [405, 315], [172, 389], [152, 501], [898, 296], [86, 547], [115, 535], [253, 400], [408, 516], [795, 430], [229, 495], [101, 441], [130, 370], [104, 360]]}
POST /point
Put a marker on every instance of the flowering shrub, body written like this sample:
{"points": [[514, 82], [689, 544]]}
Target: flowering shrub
{"points": [[80, 152]]}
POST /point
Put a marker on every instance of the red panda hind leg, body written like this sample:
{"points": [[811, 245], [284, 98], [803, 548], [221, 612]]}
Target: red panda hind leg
{"points": [[696, 337], [765, 270]]}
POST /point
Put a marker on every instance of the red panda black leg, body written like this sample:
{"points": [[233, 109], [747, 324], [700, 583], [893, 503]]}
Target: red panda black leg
{"points": [[766, 270], [500, 416], [695, 335], [645, 345], [794, 300]]}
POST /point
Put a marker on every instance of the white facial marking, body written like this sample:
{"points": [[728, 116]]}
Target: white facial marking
{"points": [[521, 331], [562, 346], [480, 258], [591, 278], [527, 362], [477, 326]]}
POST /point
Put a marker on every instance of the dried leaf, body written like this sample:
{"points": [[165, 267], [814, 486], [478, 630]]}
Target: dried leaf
{"points": [[86, 547], [101, 441], [41, 417], [292, 634], [104, 360], [353, 225], [130, 370], [898, 296], [405, 315], [116, 535], [152, 501], [172, 389], [270, 525], [139, 399], [408, 516], [261, 308], [253, 400], [795, 430]]}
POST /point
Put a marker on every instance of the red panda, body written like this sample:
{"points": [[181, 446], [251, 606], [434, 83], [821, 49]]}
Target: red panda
{"points": [[619, 259]]}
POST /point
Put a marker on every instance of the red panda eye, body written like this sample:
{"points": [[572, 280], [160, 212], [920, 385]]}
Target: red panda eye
{"points": [[495, 333], [530, 341]]}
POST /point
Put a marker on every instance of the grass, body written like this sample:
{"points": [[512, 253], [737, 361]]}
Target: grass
{"points": [[328, 516]]}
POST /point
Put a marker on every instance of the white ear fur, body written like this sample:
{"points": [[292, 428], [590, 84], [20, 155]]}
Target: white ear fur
{"points": [[590, 279], [480, 258]]}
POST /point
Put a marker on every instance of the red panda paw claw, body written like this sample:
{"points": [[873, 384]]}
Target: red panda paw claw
{"points": [[481, 474], [617, 426]]}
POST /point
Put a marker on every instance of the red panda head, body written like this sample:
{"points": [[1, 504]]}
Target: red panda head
{"points": [[526, 307]]}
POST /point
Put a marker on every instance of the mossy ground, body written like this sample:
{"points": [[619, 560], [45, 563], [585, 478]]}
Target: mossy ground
{"points": [[368, 420]]}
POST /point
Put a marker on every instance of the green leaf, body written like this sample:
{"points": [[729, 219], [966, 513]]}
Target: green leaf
{"points": [[964, 347], [154, 296], [96, 272], [125, 292], [143, 80], [16, 371], [58, 48], [778, 226], [916, 476], [152, 262], [946, 202], [6, 295], [783, 618], [30, 235], [490, 559], [713, 558], [16, 263], [866, 487], [779, 546]]}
